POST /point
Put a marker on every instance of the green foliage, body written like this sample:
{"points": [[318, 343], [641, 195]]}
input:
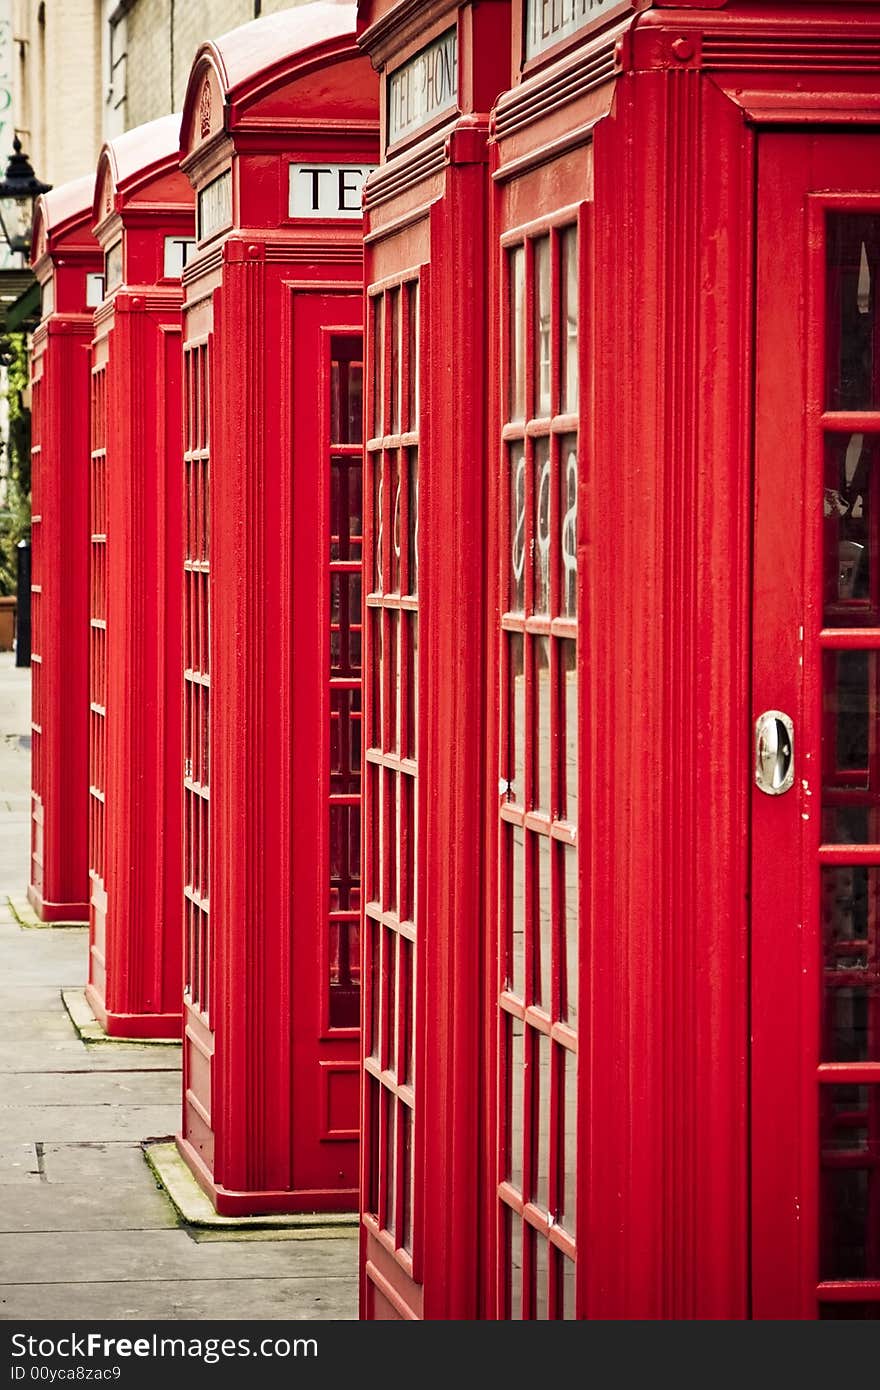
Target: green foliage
{"points": [[15, 515]]}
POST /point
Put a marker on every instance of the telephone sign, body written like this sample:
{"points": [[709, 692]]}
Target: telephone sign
{"points": [[327, 190]]}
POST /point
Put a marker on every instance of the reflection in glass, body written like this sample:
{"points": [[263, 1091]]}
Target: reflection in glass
{"points": [[518, 915], [516, 598], [542, 325], [394, 422], [850, 530], [542, 1106], [414, 354], [851, 946], [568, 277], [571, 933], [850, 707], [517, 713], [568, 1203], [850, 1200], [541, 782], [541, 1279], [568, 1288], [378, 303], [541, 551], [515, 1249], [413, 525], [544, 985], [408, 1178], [517, 334], [852, 261], [568, 527], [515, 1081], [568, 673]]}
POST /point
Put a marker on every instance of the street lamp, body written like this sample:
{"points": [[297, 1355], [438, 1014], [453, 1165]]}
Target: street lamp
{"points": [[19, 191]]}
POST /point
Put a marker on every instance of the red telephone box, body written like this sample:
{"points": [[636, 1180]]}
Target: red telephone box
{"points": [[278, 134], [143, 214], [67, 262], [426, 267], [675, 828]]}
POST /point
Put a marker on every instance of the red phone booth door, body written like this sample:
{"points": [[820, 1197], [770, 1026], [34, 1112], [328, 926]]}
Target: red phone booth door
{"points": [[816, 692]]}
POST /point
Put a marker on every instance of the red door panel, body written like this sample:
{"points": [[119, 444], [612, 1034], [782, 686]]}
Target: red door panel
{"points": [[816, 842]]}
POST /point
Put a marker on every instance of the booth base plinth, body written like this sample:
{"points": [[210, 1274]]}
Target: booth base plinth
{"points": [[195, 1207], [95, 1024], [337, 1208], [35, 911]]}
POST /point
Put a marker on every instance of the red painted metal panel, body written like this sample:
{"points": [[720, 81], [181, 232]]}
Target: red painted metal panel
{"points": [[272, 336], [136, 494], [815, 932], [67, 261]]}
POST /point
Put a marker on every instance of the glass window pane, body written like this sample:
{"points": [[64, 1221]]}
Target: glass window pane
{"points": [[413, 523], [568, 1202], [568, 527], [544, 989], [516, 713], [850, 530], [542, 326], [852, 258], [541, 548], [514, 1080], [516, 265], [541, 1279], [850, 1190], [394, 306], [413, 403], [541, 1103], [541, 785], [517, 912], [378, 365], [571, 932], [568, 674], [568, 278], [515, 1262], [851, 940], [516, 596], [849, 752]]}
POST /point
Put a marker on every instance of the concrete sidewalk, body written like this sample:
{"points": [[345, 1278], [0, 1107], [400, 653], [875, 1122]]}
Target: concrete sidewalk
{"points": [[84, 1230]]}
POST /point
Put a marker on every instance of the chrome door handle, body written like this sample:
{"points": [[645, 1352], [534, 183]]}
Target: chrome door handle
{"points": [[774, 752]]}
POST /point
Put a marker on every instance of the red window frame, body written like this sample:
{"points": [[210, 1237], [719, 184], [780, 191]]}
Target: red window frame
{"points": [[98, 563], [392, 1145], [537, 1039], [198, 956]]}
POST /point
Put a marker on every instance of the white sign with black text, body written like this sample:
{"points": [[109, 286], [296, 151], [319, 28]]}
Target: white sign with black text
{"points": [[424, 87], [94, 290], [215, 205], [327, 190], [548, 22], [177, 253]]}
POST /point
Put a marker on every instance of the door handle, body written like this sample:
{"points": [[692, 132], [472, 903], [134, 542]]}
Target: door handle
{"points": [[774, 752]]}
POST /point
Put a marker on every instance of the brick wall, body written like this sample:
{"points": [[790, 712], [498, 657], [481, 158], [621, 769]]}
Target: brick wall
{"points": [[157, 69]]}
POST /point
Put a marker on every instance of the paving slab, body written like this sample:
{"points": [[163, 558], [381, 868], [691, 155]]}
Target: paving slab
{"points": [[278, 1300], [34, 1025], [101, 1122], [87, 1206], [39, 1257], [26, 998], [19, 1163], [91, 1165], [124, 1088]]}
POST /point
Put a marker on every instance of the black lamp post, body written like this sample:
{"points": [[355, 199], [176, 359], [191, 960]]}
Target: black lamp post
{"points": [[19, 190]]}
